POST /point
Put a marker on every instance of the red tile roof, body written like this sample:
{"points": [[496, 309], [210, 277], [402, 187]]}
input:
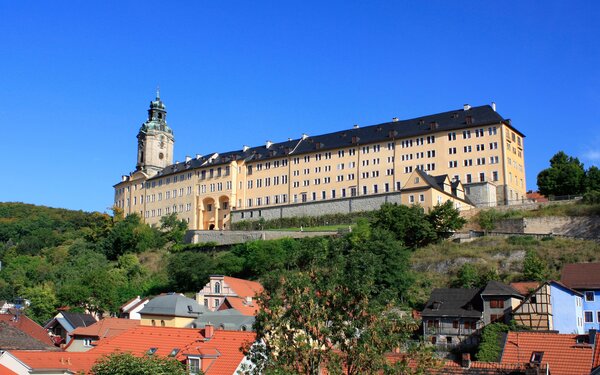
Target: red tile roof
{"points": [[6, 371], [536, 197], [596, 360], [525, 287], [189, 341], [561, 352], [581, 275], [243, 288], [241, 305], [28, 326], [75, 362], [108, 327]]}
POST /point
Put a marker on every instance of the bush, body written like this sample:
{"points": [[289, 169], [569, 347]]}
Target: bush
{"points": [[591, 197], [523, 240], [302, 221]]}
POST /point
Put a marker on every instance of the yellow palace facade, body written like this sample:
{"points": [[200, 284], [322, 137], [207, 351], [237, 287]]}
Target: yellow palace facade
{"points": [[475, 154]]}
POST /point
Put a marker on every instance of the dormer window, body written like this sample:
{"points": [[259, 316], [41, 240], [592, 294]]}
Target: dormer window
{"points": [[436, 305], [193, 365]]}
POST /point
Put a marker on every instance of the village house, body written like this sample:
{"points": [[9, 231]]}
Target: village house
{"points": [[83, 338], [585, 278], [239, 293], [64, 323]]}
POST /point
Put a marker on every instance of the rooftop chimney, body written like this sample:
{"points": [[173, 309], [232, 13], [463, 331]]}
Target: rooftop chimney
{"points": [[466, 360], [466, 107], [209, 331], [592, 333], [494, 106], [304, 136], [289, 139], [395, 119], [245, 148], [269, 144], [198, 156], [356, 126], [187, 159]]}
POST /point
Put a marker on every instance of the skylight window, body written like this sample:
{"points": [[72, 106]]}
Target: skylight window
{"points": [[536, 357], [151, 351], [174, 352]]}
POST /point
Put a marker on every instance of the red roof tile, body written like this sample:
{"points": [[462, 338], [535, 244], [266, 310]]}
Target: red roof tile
{"points": [[581, 275], [28, 326], [108, 327], [190, 341], [525, 287], [241, 305], [561, 352], [6, 371], [75, 362], [243, 288]]}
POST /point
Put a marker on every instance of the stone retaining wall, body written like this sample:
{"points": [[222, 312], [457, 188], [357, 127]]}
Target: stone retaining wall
{"points": [[231, 237]]}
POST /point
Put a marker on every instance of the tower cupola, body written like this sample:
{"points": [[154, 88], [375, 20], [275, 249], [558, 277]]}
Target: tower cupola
{"points": [[155, 139]]}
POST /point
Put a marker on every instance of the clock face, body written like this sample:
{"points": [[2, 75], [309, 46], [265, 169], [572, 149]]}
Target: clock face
{"points": [[161, 156]]}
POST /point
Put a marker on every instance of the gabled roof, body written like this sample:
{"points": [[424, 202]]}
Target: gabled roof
{"points": [[440, 122], [581, 275], [496, 288], [525, 287], [73, 320], [241, 305], [437, 182], [27, 326], [12, 338], [132, 304], [173, 304], [561, 352], [454, 302], [228, 319], [107, 327], [244, 288], [39, 360]]}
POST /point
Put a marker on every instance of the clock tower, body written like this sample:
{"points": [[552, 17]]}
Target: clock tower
{"points": [[155, 140]]}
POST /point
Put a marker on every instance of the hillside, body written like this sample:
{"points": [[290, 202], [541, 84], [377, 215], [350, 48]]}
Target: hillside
{"points": [[500, 258]]}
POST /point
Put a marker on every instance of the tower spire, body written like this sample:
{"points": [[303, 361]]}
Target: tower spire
{"points": [[157, 92]]}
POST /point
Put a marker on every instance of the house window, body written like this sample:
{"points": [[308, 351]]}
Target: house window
{"points": [[216, 302], [421, 198], [449, 339], [455, 324], [162, 323], [87, 342], [588, 316], [193, 366], [206, 299], [589, 296], [495, 317], [497, 304], [217, 287]]}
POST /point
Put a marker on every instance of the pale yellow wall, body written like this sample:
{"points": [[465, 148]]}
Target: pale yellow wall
{"points": [[320, 173], [170, 321]]}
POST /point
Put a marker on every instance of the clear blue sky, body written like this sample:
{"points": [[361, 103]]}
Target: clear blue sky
{"points": [[76, 78]]}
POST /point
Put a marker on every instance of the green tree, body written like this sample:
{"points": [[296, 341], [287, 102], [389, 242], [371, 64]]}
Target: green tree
{"points": [[408, 224], [130, 235], [128, 364], [490, 346], [43, 302], [467, 277], [534, 268], [592, 179], [445, 219], [566, 176], [189, 271], [173, 229]]}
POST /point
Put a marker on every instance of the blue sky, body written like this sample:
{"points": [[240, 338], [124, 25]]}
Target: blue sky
{"points": [[76, 78]]}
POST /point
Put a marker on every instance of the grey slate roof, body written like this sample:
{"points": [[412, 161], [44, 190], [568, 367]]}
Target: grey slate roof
{"points": [[454, 302], [173, 304], [496, 288], [230, 319], [79, 319], [420, 126], [12, 338]]}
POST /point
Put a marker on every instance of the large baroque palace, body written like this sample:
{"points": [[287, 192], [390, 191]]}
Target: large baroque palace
{"points": [[472, 156]]}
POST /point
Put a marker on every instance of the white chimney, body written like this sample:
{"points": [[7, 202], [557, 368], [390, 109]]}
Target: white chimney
{"points": [[124, 178], [198, 156], [494, 106], [187, 159], [245, 148], [395, 119], [269, 144], [356, 126], [304, 136], [466, 107]]}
